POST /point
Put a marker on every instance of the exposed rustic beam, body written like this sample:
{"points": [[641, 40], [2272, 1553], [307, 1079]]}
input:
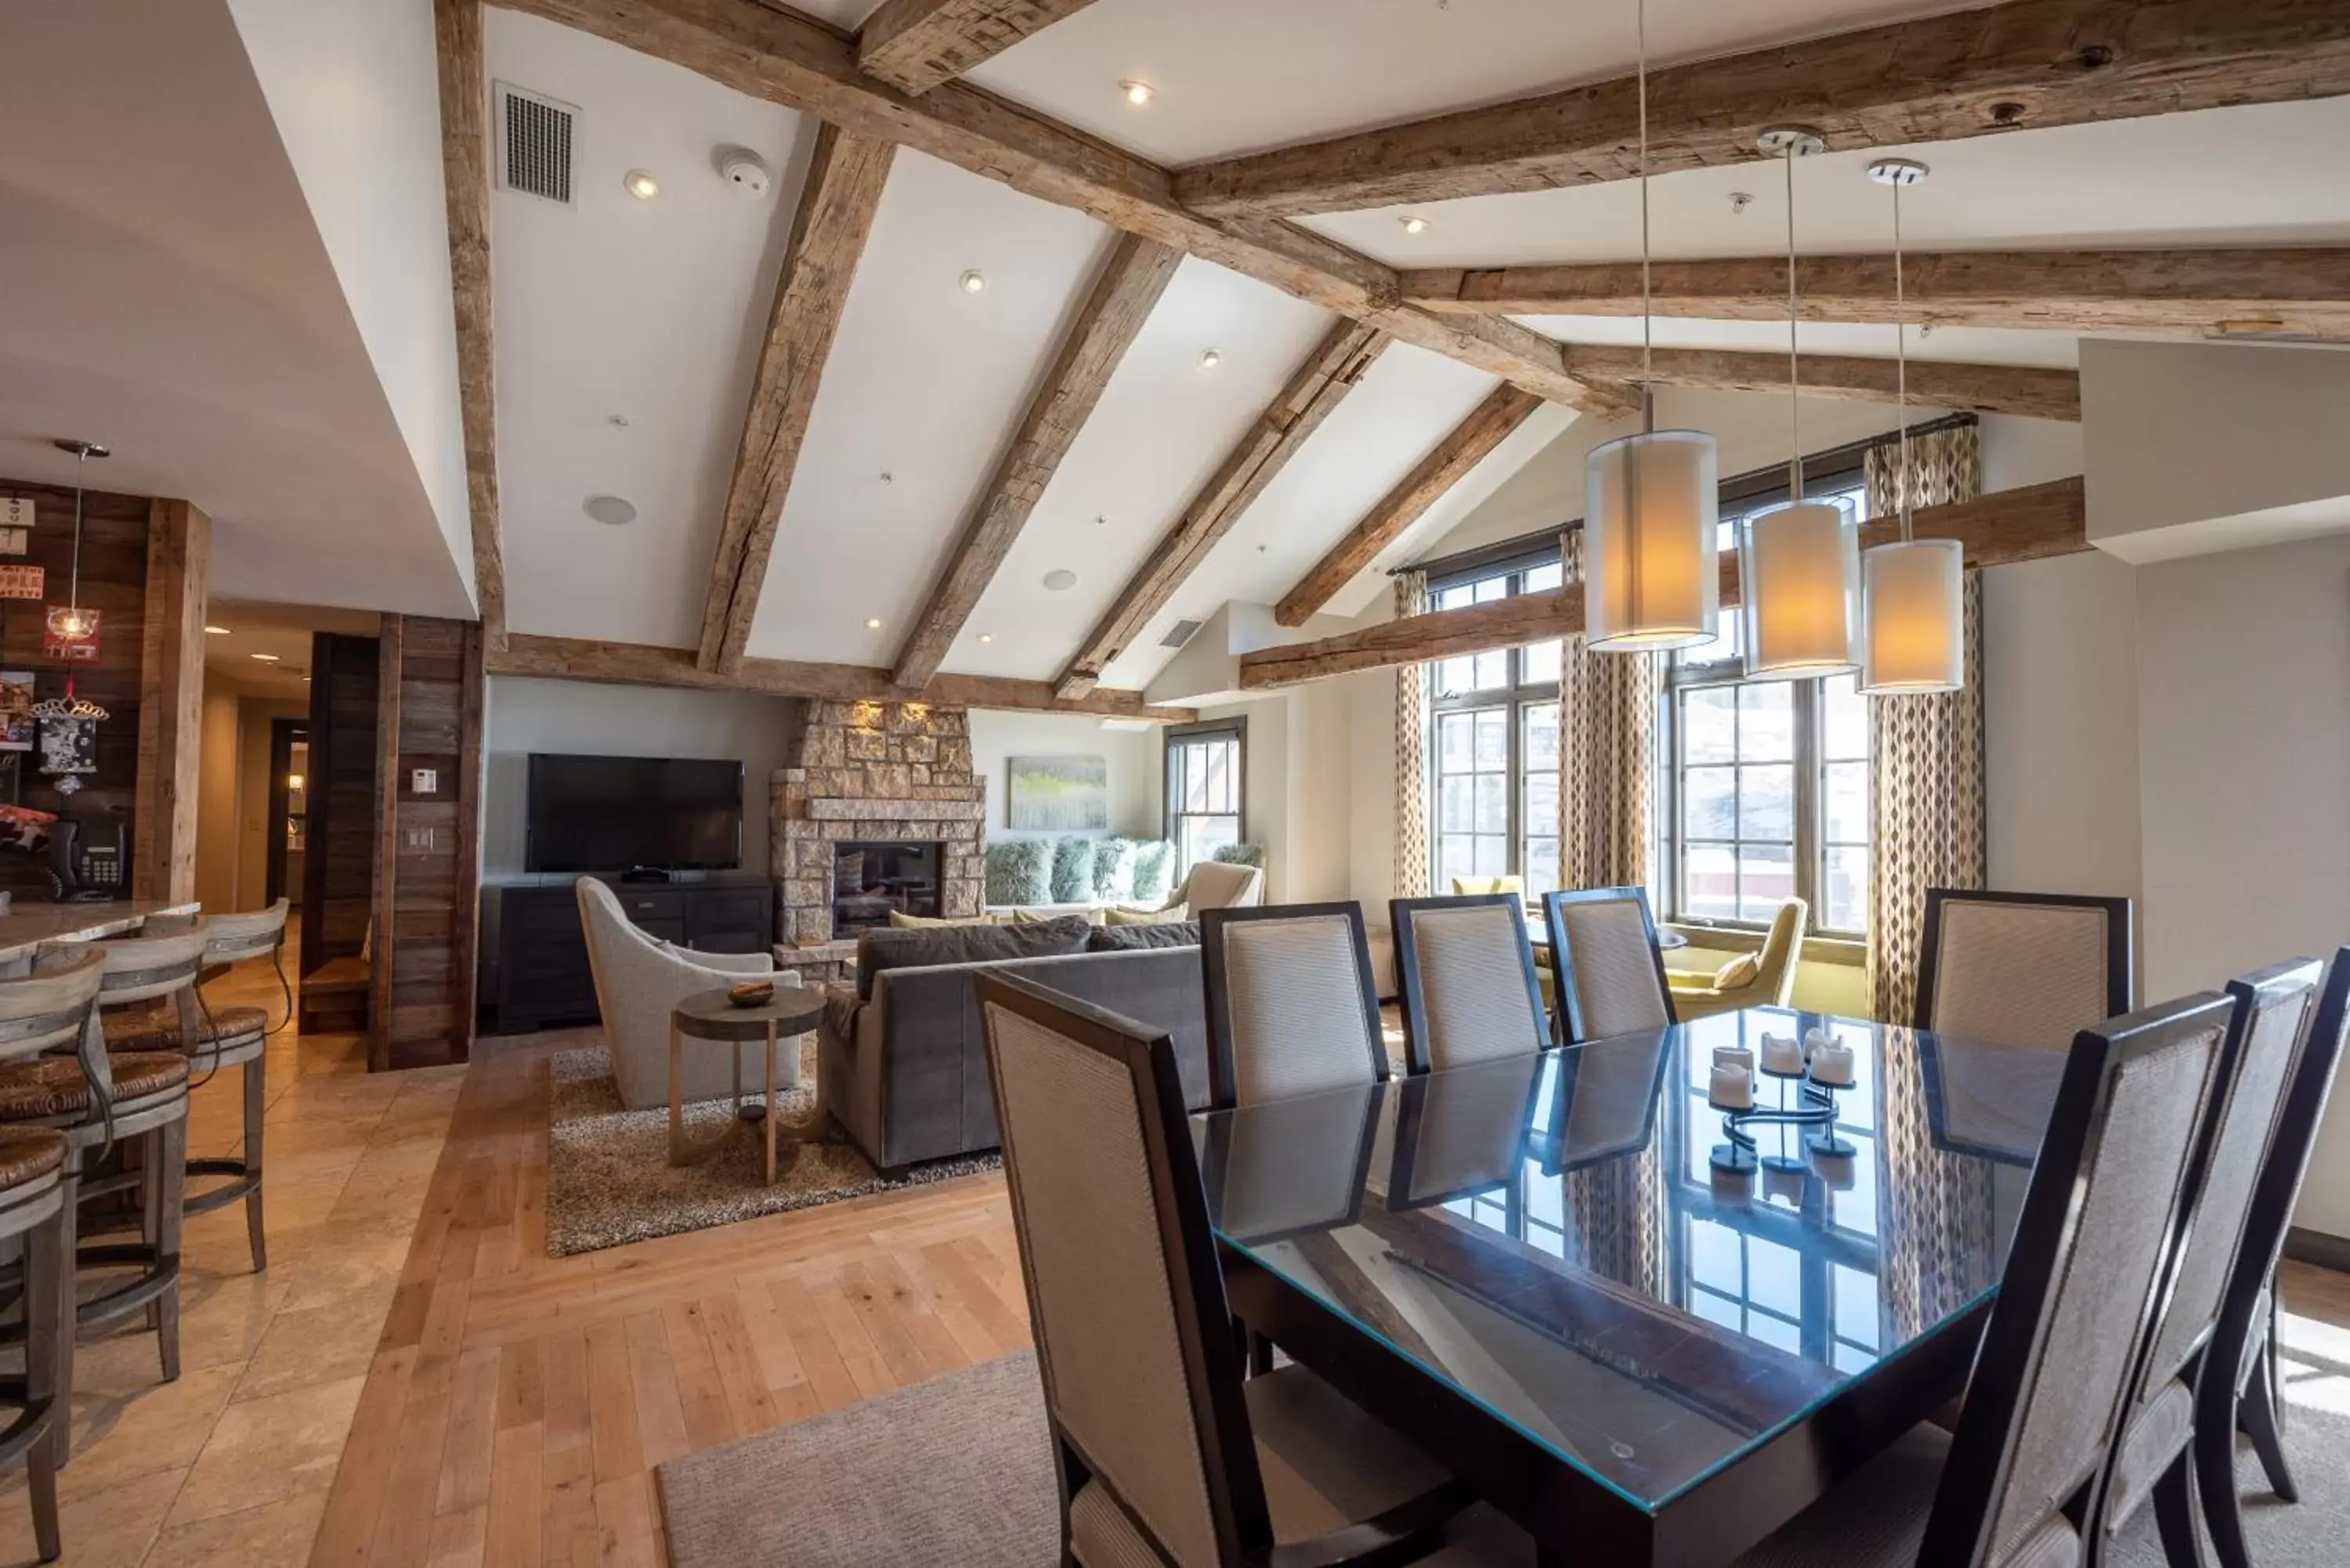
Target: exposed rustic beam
{"points": [[836, 213], [171, 701], [1130, 283], [2303, 291], [2041, 393], [1296, 411], [915, 44], [1468, 444], [2028, 64], [643, 664], [465, 177], [2000, 529], [779, 55]]}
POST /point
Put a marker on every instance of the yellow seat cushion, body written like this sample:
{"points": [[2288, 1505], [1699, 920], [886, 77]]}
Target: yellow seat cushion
{"points": [[901, 921]]}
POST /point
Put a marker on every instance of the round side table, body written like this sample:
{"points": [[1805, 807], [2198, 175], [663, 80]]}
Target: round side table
{"points": [[792, 1011]]}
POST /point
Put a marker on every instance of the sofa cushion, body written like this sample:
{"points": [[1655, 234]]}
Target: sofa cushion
{"points": [[1174, 917], [933, 946], [901, 921], [1120, 936], [1091, 916], [1019, 871]]}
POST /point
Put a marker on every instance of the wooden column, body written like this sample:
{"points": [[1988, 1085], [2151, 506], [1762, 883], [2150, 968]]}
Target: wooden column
{"points": [[171, 701], [339, 868]]}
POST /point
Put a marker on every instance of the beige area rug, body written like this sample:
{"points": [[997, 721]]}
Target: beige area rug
{"points": [[609, 1181], [958, 1473]]}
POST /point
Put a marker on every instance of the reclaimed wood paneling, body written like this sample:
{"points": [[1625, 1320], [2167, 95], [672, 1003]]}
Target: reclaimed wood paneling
{"points": [[171, 700], [338, 871]]}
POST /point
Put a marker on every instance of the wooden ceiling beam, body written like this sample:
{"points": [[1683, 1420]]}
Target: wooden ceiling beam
{"points": [[2023, 64], [915, 44], [1469, 444], [2002, 529], [465, 176], [1124, 292], [1314, 389], [2249, 292], [836, 213], [773, 53], [2031, 390], [643, 664]]}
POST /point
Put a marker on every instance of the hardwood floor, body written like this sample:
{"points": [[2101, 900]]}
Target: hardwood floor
{"points": [[415, 1383]]}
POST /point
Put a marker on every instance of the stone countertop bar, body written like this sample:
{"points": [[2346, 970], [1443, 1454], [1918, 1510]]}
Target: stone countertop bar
{"points": [[25, 927]]}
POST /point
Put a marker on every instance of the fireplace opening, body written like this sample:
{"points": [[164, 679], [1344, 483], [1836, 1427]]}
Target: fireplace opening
{"points": [[871, 882]]}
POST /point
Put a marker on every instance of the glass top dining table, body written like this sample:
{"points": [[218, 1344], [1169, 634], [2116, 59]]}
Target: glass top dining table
{"points": [[1535, 1267]]}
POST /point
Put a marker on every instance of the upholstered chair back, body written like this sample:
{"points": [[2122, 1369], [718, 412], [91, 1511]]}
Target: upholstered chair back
{"points": [[2022, 969], [1216, 884], [1783, 946], [256, 934], [50, 1007], [1141, 1373], [1291, 1005], [1611, 979], [2075, 1306], [1466, 974]]}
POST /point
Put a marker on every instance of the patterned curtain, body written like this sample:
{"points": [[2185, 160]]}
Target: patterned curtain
{"points": [[1926, 824], [1411, 860], [1926, 815], [1607, 706]]}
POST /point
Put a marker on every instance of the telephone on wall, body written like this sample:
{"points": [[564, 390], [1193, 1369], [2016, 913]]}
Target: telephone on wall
{"points": [[87, 859]]}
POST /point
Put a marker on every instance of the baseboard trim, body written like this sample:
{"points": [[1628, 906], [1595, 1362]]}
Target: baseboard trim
{"points": [[2317, 1247]]}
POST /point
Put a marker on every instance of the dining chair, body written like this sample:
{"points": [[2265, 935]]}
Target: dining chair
{"points": [[2239, 1386], [1610, 975], [1465, 974], [2013, 1485], [2154, 1455], [1291, 1006], [234, 1035], [1165, 1455], [1763, 979], [2022, 969]]}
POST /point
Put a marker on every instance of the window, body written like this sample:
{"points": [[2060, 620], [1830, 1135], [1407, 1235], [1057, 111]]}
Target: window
{"points": [[1204, 780], [1767, 781], [1496, 743]]}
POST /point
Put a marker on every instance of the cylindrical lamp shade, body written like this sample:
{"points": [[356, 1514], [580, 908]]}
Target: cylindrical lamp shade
{"points": [[1914, 636], [1650, 559], [1799, 591]]}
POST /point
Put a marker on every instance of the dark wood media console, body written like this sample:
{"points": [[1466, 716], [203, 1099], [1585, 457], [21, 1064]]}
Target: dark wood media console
{"points": [[532, 931]]}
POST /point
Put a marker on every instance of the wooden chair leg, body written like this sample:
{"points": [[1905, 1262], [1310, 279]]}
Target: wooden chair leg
{"points": [[256, 1106], [170, 1182], [48, 1287], [67, 1300], [2174, 1513], [2256, 1413]]}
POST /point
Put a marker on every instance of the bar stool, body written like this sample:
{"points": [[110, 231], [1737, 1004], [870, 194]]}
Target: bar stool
{"points": [[234, 1036], [137, 1099], [39, 1011]]}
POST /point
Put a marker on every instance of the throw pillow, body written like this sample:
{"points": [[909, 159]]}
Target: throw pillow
{"points": [[1240, 854], [1113, 868], [1739, 971], [1072, 871], [1143, 917], [847, 871], [900, 920], [1114, 939], [1463, 887], [1019, 871], [928, 948], [1153, 859], [1040, 917]]}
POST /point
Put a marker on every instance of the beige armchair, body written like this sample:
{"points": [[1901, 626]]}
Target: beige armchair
{"points": [[640, 980], [1768, 981], [1216, 884]]}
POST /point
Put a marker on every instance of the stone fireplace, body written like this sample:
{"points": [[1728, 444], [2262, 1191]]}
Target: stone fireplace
{"points": [[873, 774]]}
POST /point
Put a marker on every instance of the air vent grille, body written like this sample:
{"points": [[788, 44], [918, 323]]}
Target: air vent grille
{"points": [[535, 144], [1182, 632]]}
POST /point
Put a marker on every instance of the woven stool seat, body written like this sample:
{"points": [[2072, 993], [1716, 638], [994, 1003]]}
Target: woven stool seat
{"points": [[158, 1029], [27, 1154], [56, 1086]]}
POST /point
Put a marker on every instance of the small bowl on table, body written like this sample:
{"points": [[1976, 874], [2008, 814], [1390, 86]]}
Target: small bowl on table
{"points": [[752, 993]]}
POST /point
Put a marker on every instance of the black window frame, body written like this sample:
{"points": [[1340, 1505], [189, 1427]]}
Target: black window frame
{"points": [[1171, 744], [1517, 693]]}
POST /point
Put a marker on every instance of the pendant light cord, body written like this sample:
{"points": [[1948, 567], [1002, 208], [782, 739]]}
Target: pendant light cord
{"points": [[1647, 317], [1794, 393], [1902, 359], [73, 593]]}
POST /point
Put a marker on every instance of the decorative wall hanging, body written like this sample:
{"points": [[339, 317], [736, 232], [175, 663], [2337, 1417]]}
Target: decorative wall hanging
{"points": [[22, 582], [16, 721], [1058, 794], [69, 634], [68, 724]]}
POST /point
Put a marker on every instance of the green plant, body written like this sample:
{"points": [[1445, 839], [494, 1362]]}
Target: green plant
{"points": [[1072, 871], [1019, 871], [1241, 855]]}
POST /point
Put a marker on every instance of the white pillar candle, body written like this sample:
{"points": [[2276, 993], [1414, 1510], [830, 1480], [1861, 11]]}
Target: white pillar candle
{"points": [[1813, 1038], [1781, 1054], [1732, 1089], [1832, 1065], [1737, 1056]]}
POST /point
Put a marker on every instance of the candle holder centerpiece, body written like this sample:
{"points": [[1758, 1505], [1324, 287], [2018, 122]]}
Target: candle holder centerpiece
{"points": [[1817, 1066]]}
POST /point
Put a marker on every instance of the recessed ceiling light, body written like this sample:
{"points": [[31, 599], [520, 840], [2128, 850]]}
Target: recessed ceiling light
{"points": [[640, 184], [987, 637], [1211, 358], [1138, 93], [265, 658], [1060, 580], [975, 281], [873, 623], [217, 630], [614, 510], [1415, 224]]}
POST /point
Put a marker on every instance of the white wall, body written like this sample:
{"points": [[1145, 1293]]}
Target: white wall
{"points": [[1132, 754], [354, 86], [526, 716]]}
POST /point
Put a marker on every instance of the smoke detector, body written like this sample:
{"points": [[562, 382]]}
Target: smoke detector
{"points": [[745, 171]]}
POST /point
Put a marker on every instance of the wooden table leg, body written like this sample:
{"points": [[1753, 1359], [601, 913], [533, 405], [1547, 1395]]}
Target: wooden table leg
{"points": [[770, 1129], [677, 1151]]}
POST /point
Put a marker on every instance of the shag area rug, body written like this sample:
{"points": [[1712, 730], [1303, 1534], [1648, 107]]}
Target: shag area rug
{"points": [[609, 1181]]}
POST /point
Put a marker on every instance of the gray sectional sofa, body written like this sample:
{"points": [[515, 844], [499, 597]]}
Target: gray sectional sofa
{"points": [[903, 1062]]}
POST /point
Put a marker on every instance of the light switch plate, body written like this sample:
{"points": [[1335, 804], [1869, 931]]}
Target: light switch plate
{"points": [[420, 838], [424, 781]]}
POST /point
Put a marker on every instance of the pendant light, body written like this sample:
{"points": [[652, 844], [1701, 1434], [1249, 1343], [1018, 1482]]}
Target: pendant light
{"points": [[1798, 564], [1913, 636], [1650, 555]]}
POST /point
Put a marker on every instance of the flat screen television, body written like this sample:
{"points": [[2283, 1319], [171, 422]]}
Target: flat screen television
{"points": [[617, 813]]}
